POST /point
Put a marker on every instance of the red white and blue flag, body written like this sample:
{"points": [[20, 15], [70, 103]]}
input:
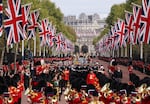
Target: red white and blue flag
{"points": [[121, 32], [33, 23], [51, 35], [129, 27], [59, 41], [136, 25], [112, 31], [43, 31], [64, 46], [13, 22], [25, 9], [145, 22], [1, 18], [115, 37]]}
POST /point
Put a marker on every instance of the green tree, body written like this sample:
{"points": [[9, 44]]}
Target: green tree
{"points": [[117, 11], [128, 6], [49, 10]]}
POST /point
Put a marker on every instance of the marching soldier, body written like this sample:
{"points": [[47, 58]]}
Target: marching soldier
{"points": [[66, 74], [91, 78]]}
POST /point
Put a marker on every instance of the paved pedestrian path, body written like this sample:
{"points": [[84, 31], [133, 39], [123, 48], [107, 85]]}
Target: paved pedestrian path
{"points": [[124, 71]]}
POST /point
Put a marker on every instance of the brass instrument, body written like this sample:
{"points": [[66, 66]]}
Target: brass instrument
{"points": [[29, 90], [10, 99], [116, 97], [106, 90], [136, 98], [105, 87], [142, 88], [144, 94], [148, 90], [107, 93], [124, 100], [67, 92], [54, 99], [95, 102]]}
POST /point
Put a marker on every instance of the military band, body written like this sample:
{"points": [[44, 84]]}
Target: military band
{"points": [[44, 83]]}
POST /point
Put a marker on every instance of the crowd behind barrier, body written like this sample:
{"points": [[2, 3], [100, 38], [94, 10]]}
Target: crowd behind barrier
{"points": [[137, 64]]}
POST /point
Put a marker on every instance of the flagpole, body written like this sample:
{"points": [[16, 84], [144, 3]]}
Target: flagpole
{"points": [[113, 52], [3, 52], [44, 51], [121, 51], [130, 50], [141, 51], [28, 44], [126, 51], [34, 38], [40, 50], [15, 66], [2, 57], [22, 49]]}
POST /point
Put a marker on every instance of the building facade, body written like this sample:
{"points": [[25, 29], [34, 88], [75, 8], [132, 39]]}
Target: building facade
{"points": [[87, 27]]}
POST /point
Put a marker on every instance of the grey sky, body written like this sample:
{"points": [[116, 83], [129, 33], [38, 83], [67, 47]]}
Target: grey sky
{"points": [[75, 7]]}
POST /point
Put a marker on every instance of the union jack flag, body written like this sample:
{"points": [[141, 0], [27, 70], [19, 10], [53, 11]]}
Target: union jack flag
{"points": [[43, 31], [69, 45], [145, 21], [51, 34], [25, 9], [136, 25], [33, 23], [112, 31], [64, 46], [115, 36], [109, 40], [129, 27], [121, 32], [59, 41], [13, 22], [1, 18]]}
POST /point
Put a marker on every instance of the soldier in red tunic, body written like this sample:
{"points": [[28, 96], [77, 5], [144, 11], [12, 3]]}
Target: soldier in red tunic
{"points": [[66, 74], [91, 78]]}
